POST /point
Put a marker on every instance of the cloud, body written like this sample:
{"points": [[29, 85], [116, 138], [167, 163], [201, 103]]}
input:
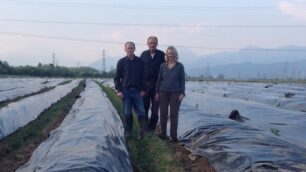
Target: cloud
{"points": [[293, 8]]}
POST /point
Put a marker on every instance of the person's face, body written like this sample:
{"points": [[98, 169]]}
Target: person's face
{"points": [[152, 44], [129, 49], [170, 55]]}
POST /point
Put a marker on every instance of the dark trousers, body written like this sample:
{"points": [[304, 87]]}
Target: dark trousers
{"points": [[149, 100], [166, 99]]}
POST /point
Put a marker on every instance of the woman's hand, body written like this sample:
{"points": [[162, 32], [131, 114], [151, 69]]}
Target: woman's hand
{"points": [[157, 97], [181, 97]]}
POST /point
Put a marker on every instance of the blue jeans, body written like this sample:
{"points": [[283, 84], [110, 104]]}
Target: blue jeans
{"points": [[132, 99]]}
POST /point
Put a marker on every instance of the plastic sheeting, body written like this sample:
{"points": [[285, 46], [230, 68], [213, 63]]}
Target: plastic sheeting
{"points": [[235, 146], [271, 140], [271, 94], [15, 87], [91, 138], [20, 113], [288, 122]]}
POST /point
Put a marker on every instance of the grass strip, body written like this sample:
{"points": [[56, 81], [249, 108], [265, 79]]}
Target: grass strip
{"points": [[5, 103], [149, 154]]}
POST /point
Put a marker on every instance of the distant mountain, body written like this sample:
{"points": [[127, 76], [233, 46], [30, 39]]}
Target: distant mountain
{"points": [[254, 55], [254, 70], [250, 61], [110, 63]]}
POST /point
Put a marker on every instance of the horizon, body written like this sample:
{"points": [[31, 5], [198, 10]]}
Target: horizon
{"points": [[249, 48]]}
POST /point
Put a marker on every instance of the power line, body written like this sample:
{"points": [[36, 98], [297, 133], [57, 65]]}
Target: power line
{"points": [[59, 37], [121, 43], [148, 7], [149, 25]]}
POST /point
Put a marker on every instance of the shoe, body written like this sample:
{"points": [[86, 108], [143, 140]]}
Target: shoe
{"points": [[174, 139], [150, 130], [141, 134], [162, 137]]}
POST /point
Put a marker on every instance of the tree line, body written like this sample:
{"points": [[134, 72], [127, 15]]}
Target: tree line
{"points": [[49, 70]]}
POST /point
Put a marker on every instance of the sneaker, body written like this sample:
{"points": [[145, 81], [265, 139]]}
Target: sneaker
{"points": [[174, 139], [150, 130]]}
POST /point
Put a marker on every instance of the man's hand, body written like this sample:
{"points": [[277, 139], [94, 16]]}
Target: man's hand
{"points": [[142, 93], [120, 94], [157, 97]]}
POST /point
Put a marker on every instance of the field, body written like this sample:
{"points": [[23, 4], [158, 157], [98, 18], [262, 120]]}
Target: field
{"points": [[86, 121]]}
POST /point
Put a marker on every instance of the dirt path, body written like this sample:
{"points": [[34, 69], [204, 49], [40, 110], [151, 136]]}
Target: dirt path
{"points": [[190, 162]]}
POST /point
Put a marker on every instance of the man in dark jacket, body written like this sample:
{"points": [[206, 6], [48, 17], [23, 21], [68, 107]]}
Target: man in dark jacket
{"points": [[152, 58], [129, 84]]}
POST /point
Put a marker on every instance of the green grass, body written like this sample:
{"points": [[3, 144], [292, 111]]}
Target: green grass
{"points": [[149, 154]]}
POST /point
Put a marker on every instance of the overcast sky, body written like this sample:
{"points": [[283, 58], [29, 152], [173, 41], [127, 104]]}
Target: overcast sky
{"points": [[77, 31]]}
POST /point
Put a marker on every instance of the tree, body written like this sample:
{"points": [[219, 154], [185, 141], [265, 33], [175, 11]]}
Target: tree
{"points": [[4, 67]]}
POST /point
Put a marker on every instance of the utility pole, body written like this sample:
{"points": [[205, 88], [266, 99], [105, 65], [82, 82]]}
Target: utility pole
{"points": [[285, 70], [206, 70], [53, 59], [103, 61]]}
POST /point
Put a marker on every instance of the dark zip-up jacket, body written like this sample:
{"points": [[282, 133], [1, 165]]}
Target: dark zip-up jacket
{"points": [[152, 65], [129, 74]]}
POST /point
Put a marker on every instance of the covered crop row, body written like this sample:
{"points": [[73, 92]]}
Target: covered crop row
{"points": [[20, 113], [11, 88], [91, 138]]}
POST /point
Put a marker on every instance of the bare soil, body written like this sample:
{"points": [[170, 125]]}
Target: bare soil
{"points": [[190, 162]]}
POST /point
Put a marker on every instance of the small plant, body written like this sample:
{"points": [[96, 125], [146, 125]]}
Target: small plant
{"points": [[275, 131]]}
